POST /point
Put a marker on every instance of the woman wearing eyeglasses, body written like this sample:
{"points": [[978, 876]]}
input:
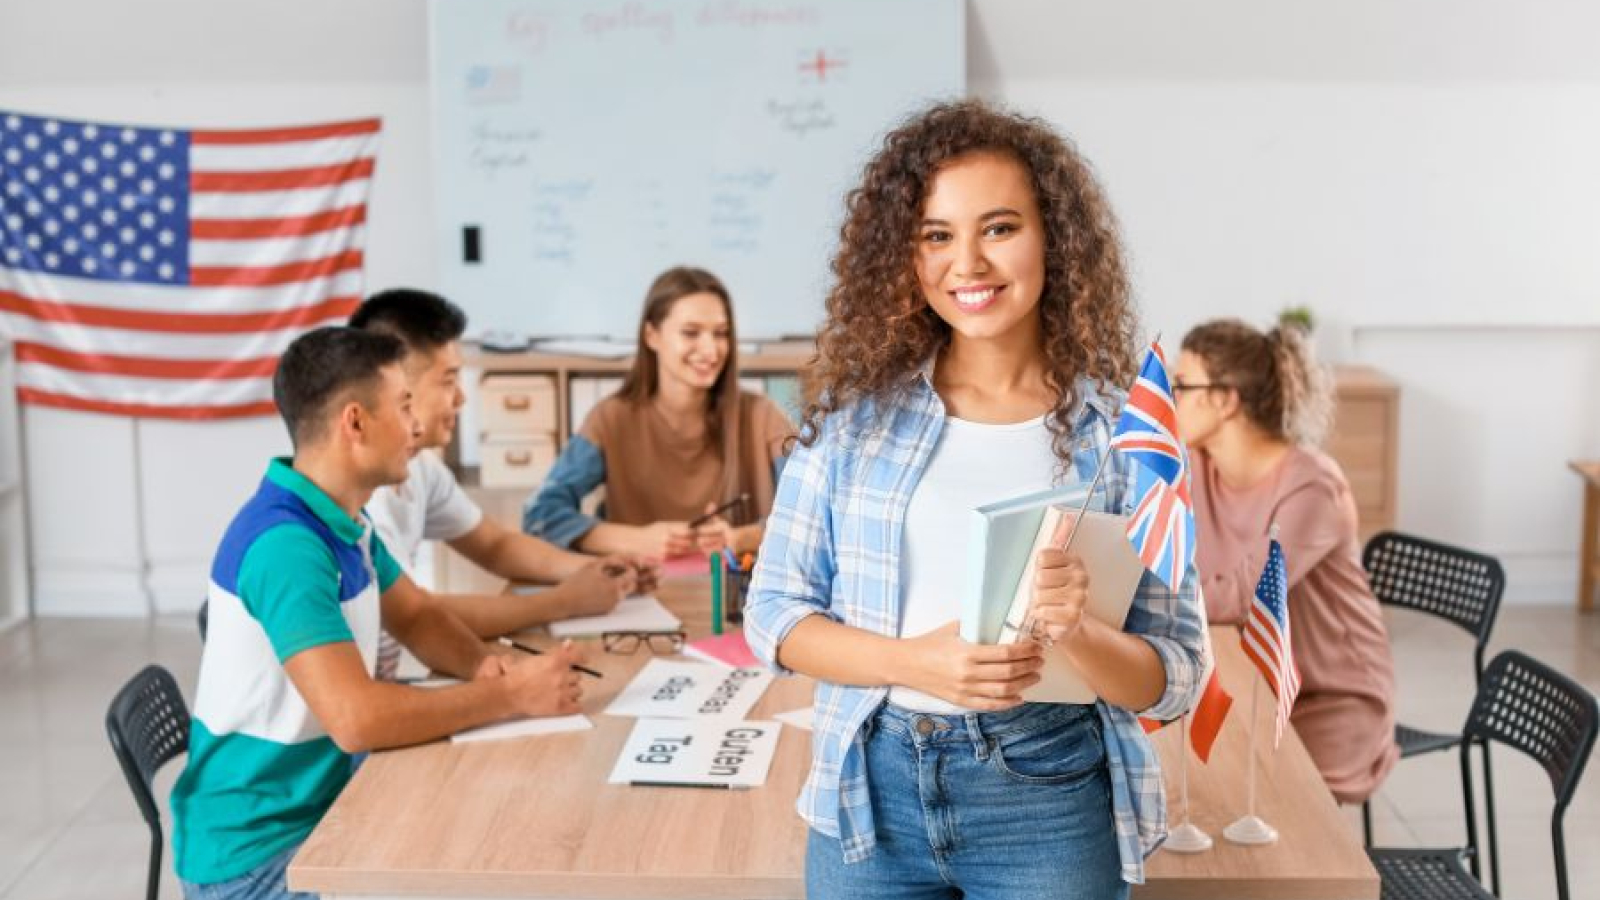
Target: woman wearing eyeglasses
{"points": [[1252, 407]]}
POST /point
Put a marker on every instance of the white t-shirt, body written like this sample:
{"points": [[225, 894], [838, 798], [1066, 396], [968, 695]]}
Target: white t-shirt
{"points": [[973, 464], [429, 505]]}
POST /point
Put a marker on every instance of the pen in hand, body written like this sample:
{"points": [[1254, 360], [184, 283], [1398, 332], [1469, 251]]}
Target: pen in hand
{"points": [[532, 651], [697, 521]]}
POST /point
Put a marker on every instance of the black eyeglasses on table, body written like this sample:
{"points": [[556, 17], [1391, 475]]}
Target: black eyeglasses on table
{"points": [[659, 642]]}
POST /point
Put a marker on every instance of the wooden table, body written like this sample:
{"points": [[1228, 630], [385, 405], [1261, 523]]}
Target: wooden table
{"points": [[536, 818], [1589, 543]]}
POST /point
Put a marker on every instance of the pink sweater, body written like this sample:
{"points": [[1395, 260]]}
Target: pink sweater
{"points": [[1345, 711]]}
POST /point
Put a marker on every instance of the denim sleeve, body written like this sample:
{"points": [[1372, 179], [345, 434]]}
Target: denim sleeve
{"points": [[553, 513], [795, 568]]}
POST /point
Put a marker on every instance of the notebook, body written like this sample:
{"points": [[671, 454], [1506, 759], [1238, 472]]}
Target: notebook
{"points": [[1004, 542]]}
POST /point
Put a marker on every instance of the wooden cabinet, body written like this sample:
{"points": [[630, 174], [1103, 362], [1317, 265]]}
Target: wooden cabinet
{"points": [[1365, 441], [519, 418]]}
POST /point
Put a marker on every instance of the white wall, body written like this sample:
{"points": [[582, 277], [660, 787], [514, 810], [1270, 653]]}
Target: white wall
{"points": [[1394, 165]]}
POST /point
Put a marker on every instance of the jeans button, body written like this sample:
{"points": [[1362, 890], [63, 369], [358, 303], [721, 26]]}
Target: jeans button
{"points": [[924, 727]]}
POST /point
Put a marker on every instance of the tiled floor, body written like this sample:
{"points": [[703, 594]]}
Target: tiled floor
{"points": [[69, 828]]}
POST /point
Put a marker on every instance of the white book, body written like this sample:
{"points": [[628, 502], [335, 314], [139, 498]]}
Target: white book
{"points": [[1006, 538], [521, 728], [639, 613]]}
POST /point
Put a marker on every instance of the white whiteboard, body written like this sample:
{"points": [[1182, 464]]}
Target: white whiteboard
{"points": [[595, 144]]}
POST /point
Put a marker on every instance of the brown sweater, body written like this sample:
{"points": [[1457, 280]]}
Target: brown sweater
{"points": [[1345, 711], [653, 474]]}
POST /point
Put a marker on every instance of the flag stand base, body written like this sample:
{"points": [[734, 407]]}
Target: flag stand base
{"points": [[1250, 830], [1187, 838]]}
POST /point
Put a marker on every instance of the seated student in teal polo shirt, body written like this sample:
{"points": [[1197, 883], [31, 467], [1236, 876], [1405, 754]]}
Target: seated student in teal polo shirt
{"points": [[299, 588]]}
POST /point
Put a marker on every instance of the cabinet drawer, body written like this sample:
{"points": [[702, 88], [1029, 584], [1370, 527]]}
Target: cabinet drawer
{"points": [[517, 405], [518, 461]]}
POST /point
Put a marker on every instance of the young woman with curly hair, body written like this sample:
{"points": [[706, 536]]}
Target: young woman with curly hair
{"points": [[977, 329]]}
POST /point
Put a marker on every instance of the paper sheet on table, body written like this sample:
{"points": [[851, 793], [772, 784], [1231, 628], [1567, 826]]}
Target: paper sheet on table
{"points": [[521, 728], [669, 689], [798, 718], [409, 668], [643, 613]]}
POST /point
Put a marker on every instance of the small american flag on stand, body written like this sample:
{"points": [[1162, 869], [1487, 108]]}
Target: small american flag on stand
{"points": [[160, 272], [1266, 638]]}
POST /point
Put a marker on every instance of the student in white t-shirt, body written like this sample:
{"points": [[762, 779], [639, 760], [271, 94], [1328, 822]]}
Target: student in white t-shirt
{"points": [[430, 505]]}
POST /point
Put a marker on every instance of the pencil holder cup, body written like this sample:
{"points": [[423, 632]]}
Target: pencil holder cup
{"points": [[735, 584]]}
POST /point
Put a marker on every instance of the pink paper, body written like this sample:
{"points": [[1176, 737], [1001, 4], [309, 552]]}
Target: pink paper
{"points": [[685, 566], [728, 648]]}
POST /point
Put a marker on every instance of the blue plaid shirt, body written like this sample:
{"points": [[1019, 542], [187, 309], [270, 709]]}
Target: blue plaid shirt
{"points": [[832, 548]]}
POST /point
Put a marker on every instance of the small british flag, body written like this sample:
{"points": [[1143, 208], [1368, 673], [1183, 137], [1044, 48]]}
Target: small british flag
{"points": [[1162, 528], [1148, 428]]}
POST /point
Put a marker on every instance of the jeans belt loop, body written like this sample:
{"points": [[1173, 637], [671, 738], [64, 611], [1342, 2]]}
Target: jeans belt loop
{"points": [[982, 743]]}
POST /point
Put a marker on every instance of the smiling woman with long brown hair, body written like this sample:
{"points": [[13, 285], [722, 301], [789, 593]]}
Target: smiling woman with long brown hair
{"points": [[977, 332], [674, 443]]}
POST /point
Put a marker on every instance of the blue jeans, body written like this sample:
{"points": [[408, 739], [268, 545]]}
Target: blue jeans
{"points": [[264, 882], [984, 806]]}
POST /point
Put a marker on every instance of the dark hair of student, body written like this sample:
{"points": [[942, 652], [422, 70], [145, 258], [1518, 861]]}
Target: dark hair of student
{"points": [[879, 328], [1282, 389], [323, 368], [424, 321], [722, 401]]}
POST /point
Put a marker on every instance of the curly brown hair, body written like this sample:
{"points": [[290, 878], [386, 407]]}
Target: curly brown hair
{"points": [[1282, 388], [879, 329]]}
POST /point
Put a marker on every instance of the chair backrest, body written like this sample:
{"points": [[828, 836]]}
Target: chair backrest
{"points": [[1531, 707], [1456, 585], [148, 724], [1525, 704]]}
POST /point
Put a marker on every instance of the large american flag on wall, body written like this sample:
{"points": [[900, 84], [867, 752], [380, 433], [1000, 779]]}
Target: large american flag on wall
{"points": [[160, 272]]}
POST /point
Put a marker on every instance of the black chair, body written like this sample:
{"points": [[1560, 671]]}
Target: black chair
{"points": [[148, 724], [1527, 706], [1459, 586]]}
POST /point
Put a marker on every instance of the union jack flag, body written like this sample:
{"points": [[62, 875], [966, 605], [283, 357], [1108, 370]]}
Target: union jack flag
{"points": [[1148, 429], [1162, 526], [1266, 637]]}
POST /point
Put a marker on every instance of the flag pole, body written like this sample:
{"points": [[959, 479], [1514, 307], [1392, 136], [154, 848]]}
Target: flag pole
{"points": [[1250, 781], [1186, 837], [141, 539], [1030, 625], [1250, 828], [1098, 470]]}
